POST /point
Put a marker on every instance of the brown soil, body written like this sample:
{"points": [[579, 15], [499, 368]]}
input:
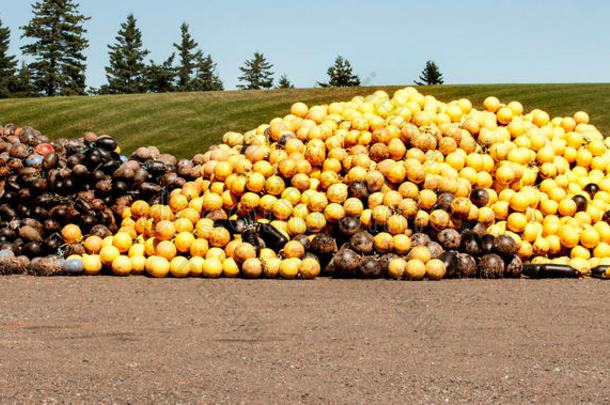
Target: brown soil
{"points": [[106, 339]]}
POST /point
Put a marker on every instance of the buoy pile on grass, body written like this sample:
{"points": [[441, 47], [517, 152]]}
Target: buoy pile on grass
{"points": [[400, 187], [54, 192]]}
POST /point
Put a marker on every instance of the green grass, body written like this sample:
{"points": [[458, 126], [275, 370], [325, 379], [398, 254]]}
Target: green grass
{"points": [[187, 123]]}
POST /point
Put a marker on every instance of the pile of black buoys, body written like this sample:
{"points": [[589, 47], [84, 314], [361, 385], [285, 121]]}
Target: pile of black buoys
{"points": [[46, 184]]}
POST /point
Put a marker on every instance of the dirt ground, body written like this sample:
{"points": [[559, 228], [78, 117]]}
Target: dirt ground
{"points": [[134, 340]]}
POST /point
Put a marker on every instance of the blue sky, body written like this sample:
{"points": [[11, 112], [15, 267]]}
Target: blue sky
{"points": [[387, 42]]}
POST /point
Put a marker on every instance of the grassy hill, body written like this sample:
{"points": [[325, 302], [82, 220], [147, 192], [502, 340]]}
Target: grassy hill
{"points": [[186, 123]]}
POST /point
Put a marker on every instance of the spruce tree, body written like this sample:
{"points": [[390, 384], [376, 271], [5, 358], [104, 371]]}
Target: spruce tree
{"points": [[7, 63], [160, 78], [189, 56], [104, 89], [341, 74], [206, 78], [127, 70], [22, 85], [257, 73], [430, 75], [59, 62], [284, 83], [195, 72]]}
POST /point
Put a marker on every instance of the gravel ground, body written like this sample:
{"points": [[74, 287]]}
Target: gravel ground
{"points": [[135, 340]]}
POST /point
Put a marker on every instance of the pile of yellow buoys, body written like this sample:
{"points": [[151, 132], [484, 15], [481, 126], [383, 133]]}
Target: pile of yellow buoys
{"points": [[401, 186]]}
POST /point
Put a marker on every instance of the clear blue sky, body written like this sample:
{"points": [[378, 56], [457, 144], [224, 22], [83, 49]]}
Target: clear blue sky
{"points": [[388, 42]]}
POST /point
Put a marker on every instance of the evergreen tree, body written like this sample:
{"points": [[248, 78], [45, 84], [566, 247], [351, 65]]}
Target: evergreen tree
{"points": [[284, 83], [160, 78], [189, 56], [7, 63], [126, 73], [206, 78], [22, 85], [99, 91], [195, 72], [257, 73], [341, 74], [430, 75], [59, 63]]}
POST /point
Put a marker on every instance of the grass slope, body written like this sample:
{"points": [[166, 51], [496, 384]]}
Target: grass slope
{"points": [[187, 123]]}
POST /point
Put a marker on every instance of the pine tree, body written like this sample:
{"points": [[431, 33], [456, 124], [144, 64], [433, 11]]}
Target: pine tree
{"points": [[341, 74], [195, 72], [430, 75], [284, 83], [206, 78], [189, 56], [22, 85], [99, 91], [160, 78], [59, 63], [7, 63], [257, 73], [126, 73]]}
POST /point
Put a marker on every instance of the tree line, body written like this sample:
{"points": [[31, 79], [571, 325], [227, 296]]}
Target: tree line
{"points": [[57, 42]]}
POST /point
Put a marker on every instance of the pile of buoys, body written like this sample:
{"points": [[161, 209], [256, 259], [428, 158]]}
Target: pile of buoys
{"points": [[48, 184], [400, 187]]}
